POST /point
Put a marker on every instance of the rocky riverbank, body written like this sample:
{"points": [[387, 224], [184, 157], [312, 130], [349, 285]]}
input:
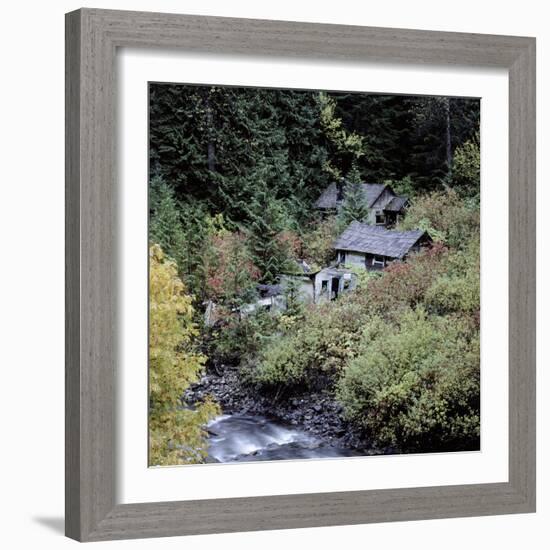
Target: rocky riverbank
{"points": [[316, 413]]}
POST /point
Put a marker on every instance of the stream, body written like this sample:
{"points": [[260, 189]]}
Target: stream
{"points": [[245, 438]]}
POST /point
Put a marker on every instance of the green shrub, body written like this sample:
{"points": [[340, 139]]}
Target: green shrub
{"points": [[318, 240], [314, 351], [415, 385], [445, 216], [454, 295], [237, 340], [466, 167], [457, 291]]}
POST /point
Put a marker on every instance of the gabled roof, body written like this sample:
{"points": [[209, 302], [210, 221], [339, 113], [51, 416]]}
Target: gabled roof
{"points": [[329, 197], [373, 239], [396, 204]]}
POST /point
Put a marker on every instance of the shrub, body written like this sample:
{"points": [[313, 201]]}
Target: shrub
{"points": [[404, 284], [315, 351], [466, 167], [415, 385], [230, 272], [454, 295], [318, 242], [235, 340], [445, 216], [457, 291]]}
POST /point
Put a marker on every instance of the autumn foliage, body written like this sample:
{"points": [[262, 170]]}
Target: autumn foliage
{"points": [[230, 271], [176, 432]]}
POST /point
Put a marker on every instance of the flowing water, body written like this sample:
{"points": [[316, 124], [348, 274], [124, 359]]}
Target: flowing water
{"points": [[242, 438]]}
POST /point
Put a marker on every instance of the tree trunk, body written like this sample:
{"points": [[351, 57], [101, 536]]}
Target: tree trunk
{"points": [[211, 147], [448, 143]]}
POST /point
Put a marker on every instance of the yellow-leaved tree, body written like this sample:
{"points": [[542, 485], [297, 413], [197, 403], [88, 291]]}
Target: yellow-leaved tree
{"points": [[177, 433]]}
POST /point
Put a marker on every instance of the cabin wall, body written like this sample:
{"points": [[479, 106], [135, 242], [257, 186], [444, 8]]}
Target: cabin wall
{"points": [[379, 204], [322, 287], [346, 281], [357, 259], [353, 258]]}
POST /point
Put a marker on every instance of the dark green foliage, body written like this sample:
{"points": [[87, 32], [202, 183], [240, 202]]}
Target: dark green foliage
{"points": [[165, 221], [344, 146], [207, 141], [441, 125], [236, 340], [386, 124], [354, 206], [270, 252], [294, 302], [409, 136]]}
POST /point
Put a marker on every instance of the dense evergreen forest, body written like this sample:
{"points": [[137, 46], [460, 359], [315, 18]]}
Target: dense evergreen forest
{"points": [[234, 175]]}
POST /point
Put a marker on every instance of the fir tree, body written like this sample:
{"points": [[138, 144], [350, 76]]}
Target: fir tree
{"points": [[269, 252], [354, 206], [165, 226]]}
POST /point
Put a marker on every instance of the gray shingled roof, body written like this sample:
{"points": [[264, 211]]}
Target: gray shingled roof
{"points": [[328, 198], [396, 204], [372, 239]]}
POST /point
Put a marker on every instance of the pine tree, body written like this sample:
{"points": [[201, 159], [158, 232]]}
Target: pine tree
{"points": [[269, 252], [165, 225], [206, 142], [354, 206]]}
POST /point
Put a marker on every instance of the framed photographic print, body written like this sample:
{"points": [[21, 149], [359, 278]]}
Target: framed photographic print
{"points": [[300, 275]]}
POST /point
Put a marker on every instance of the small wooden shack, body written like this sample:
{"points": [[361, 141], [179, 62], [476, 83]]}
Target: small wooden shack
{"points": [[322, 285], [385, 206], [373, 247]]}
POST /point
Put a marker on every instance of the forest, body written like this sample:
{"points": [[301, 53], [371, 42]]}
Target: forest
{"points": [[392, 367]]}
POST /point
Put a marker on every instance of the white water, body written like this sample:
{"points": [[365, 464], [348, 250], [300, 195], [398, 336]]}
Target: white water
{"points": [[246, 438]]}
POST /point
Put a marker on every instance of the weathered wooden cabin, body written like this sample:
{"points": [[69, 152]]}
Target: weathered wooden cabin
{"points": [[323, 285], [373, 247], [385, 206]]}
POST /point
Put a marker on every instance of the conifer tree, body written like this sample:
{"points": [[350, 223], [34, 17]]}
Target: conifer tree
{"points": [[354, 206], [165, 226], [269, 252]]}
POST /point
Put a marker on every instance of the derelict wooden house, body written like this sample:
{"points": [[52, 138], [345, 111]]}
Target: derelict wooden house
{"points": [[384, 205], [373, 247]]}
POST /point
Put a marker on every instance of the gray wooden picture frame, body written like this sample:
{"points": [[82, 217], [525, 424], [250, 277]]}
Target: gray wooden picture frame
{"points": [[92, 39]]}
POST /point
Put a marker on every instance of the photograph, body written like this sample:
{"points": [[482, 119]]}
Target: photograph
{"points": [[314, 274]]}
